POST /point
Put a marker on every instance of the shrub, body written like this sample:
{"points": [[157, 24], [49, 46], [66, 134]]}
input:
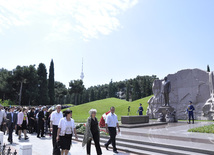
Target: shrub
{"points": [[6, 102]]}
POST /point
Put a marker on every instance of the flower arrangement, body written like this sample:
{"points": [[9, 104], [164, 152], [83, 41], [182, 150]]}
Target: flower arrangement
{"points": [[103, 132], [80, 128]]}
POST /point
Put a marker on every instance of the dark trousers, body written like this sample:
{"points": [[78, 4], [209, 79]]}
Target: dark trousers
{"points": [[191, 116], [112, 140], [166, 98], [96, 138], [10, 135], [35, 126], [54, 134], [40, 128], [31, 126]]}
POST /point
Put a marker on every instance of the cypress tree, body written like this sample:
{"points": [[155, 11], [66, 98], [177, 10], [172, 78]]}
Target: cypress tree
{"points": [[42, 84], [127, 91], [51, 82], [208, 68]]}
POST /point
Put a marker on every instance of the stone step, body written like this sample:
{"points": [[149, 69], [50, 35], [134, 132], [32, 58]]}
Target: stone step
{"points": [[125, 149], [139, 148], [177, 147], [142, 125]]}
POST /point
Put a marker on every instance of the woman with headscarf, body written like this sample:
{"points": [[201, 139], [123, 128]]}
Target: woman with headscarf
{"points": [[92, 132]]}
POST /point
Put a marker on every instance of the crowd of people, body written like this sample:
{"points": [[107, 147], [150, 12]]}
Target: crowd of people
{"points": [[44, 120], [25, 120]]}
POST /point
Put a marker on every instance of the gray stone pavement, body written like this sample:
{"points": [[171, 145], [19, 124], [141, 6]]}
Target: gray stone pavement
{"points": [[173, 134], [43, 146]]}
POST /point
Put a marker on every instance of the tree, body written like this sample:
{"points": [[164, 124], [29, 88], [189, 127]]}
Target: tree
{"points": [[208, 68], [111, 90], [92, 96], [6, 81], [136, 90], [85, 96], [20, 74], [76, 88], [31, 86], [51, 91], [60, 92], [42, 84], [127, 91]]}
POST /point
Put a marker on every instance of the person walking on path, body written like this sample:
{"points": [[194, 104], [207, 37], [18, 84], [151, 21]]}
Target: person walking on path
{"points": [[111, 124], [41, 122], [31, 120], [12, 121], [22, 123], [190, 110], [66, 129], [54, 122], [2, 117], [92, 131], [140, 110]]}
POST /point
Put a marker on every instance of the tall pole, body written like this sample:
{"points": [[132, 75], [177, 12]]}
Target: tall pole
{"points": [[82, 74]]}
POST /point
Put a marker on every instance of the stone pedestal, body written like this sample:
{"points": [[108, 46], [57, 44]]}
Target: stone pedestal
{"points": [[167, 114], [1, 137], [134, 119], [25, 149]]}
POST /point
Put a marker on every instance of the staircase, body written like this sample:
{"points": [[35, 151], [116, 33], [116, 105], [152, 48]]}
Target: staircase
{"points": [[149, 148]]}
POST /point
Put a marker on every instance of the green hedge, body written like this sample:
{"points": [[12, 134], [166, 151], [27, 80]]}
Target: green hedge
{"points": [[6, 103]]}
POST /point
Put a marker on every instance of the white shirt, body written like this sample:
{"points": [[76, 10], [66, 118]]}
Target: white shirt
{"points": [[55, 117], [66, 127], [2, 115], [111, 120]]}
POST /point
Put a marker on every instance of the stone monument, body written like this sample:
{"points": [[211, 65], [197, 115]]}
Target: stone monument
{"points": [[166, 89], [186, 85], [208, 108], [165, 110]]}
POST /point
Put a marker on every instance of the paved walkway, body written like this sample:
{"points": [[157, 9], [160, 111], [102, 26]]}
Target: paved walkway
{"points": [[173, 133], [43, 146]]}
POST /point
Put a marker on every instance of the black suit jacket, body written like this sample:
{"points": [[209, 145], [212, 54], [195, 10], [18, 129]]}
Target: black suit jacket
{"points": [[41, 115], [9, 117]]}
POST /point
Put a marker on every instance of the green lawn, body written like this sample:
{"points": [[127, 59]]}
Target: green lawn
{"points": [[203, 129], [80, 112], [69, 105]]}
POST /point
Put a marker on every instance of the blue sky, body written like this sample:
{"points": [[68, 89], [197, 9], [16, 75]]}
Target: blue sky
{"points": [[118, 39]]}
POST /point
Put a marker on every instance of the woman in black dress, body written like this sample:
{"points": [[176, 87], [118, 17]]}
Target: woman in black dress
{"points": [[31, 120], [92, 132]]}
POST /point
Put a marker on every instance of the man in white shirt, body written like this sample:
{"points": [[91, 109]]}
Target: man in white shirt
{"points": [[111, 124], [54, 122], [2, 116]]}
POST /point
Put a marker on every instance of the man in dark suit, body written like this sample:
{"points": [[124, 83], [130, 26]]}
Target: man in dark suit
{"points": [[41, 121], [12, 123]]}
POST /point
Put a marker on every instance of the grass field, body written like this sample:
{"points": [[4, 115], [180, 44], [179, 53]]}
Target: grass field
{"points": [[80, 112], [203, 129]]}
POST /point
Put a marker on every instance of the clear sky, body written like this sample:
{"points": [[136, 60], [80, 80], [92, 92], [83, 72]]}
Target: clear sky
{"points": [[118, 39]]}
